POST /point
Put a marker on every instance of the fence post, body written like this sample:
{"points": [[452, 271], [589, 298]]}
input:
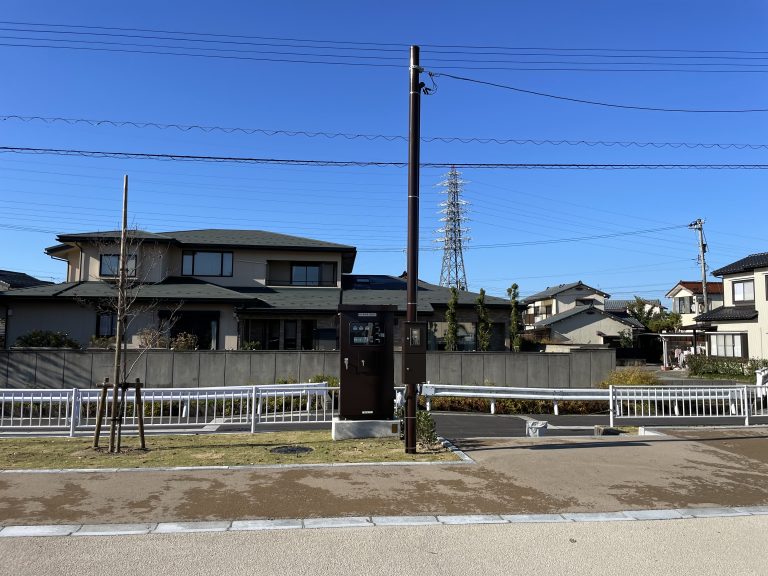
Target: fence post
{"points": [[610, 397], [253, 409], [493, 406], [745, 403], [74, 416], [556, 410]]}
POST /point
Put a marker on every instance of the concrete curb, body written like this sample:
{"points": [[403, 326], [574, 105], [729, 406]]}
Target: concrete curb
{"points": [[687, 514]]}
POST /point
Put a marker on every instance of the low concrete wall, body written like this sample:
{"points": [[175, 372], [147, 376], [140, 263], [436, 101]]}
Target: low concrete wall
{"points": [[163, 368]]}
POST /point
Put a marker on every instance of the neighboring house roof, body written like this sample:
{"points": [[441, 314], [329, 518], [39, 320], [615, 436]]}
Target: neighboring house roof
{"points": [[12, 279], [554, 290], [726, 313], [357, 289], [169, 289], [217, 238], [391, 290], [695, 287], [759, 260], [628, 320], [621, 305]]}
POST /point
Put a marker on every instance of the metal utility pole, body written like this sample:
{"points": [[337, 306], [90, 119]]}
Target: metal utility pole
{"points": [[120, 329], [452, 272], [414, 140], [698, 225]]}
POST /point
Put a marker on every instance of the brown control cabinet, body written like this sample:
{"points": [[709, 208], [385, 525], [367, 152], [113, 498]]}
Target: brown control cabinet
{"points": [[414, 352], [366, 373]]}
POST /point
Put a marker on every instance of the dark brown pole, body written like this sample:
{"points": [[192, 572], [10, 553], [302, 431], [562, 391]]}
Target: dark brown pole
{"points": [[139, 408], [414, 138]]}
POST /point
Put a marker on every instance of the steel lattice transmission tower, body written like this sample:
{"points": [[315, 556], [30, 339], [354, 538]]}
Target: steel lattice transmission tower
{"points": [[454, 234]]}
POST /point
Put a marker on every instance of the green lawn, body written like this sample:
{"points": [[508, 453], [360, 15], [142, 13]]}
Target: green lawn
{"points": [[205, 450]]}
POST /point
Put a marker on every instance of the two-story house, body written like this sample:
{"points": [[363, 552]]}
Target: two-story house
{"points": [[688, 299], [230, 288], [576, 313], [740, 325]]}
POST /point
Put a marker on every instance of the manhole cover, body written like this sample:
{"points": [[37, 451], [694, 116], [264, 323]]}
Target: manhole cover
{"points": [[291, 450]]}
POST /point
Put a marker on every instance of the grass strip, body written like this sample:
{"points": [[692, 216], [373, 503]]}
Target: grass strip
{"points": [[207, 450]]}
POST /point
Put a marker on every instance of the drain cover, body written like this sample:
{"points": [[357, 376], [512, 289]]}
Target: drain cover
{"points": [[291, 450]]}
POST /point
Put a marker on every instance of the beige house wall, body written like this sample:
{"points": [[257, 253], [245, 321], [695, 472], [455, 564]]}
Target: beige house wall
{"points": [[566, 300], [583, 328]]}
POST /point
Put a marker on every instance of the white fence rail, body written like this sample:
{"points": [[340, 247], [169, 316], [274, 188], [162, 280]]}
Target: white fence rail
{"points": [[642, 402], [180, 408], [494, 393]]}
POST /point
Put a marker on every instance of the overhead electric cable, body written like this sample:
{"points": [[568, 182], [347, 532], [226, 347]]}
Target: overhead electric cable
{"points": [[346, 163], [593, 102], [372, 137]]}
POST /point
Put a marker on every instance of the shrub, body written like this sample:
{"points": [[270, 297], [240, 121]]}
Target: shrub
{"points": [[151, 338], [251, 345], [286, 380], [332, 380], [102, 342], [184, 341], [426, 433], [630, 377], [46, 339], [700, 365]]}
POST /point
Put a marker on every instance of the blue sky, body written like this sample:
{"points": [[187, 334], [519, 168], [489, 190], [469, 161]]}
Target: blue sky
{"points": [[43, 195]]}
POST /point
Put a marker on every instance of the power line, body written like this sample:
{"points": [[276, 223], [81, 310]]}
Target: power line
{"points": [[379, 44], [372, 137], [592, 102], [483, 60], [367, 163]]}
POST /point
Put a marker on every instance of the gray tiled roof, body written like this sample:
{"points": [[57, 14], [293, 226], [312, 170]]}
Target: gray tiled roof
{"points": [[621, 305], [215, 237], [628, 320], [554, 290], [728, 313], [19, 279], [747, 264], [293, 299], [357, 289], [169, 289]]}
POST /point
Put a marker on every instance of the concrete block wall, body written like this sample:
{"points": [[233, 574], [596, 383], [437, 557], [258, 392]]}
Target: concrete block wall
{"points": [[165, 368]]}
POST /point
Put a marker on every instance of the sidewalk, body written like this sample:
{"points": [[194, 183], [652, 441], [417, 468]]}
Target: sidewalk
{"points": [[692, 468]]}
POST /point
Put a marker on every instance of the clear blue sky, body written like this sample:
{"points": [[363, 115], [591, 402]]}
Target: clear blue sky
{"points": [[41, 196]]}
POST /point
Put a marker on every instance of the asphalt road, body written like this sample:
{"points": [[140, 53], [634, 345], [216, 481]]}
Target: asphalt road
{"points": [[733, 546]]}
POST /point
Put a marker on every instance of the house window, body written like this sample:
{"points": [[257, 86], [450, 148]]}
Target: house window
{"points": [[290, 331], [109, 266], [728, 345], [202, 263], [313, 274], [105, 324], [743, 291], [308, 329]]}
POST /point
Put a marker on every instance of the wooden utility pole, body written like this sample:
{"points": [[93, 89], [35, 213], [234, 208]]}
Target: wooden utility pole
{"points": [[114, 445], [414, 139]]}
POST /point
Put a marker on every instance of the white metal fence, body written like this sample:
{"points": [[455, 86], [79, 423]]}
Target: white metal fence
{"points": [[178, 408], [624, 402], [666, 402]]}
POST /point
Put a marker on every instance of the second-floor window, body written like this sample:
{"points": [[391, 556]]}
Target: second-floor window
{"points": [[743, 291], [202, 263], [109, 266], [313, 274]]}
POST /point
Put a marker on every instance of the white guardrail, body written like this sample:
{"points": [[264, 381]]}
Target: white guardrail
{"points": [[629, 402], [181, 408]]}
